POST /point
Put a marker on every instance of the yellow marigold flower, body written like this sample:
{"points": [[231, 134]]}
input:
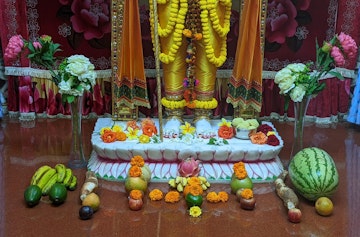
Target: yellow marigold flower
{"points": [[117, 128], [212, 197], [136, 194], [187, 33], [144, 138], [132, 134], [187, 128], [223, 196], [247, 193], [270, 133], [224, 123], [156, 195], [194, 181], [172, 197], [195, 211]]}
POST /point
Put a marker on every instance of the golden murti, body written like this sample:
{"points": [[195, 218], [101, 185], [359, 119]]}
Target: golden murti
{"points": [[192, 46]]}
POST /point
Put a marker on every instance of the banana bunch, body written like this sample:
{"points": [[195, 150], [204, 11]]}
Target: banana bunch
{"points": [[45, 177], [248, 124], [180, 182]]}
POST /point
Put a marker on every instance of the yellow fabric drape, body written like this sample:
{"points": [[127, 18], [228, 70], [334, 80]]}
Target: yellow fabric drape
{"points": [[131, 85], [245, 87]]}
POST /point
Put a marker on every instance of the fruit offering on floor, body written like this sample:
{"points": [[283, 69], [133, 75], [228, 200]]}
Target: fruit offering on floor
{"points": [[324, 206], [90, 200], [43, 181]]}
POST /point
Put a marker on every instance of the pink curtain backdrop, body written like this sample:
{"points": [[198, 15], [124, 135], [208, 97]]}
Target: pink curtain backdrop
{"points": [[308, 20]]}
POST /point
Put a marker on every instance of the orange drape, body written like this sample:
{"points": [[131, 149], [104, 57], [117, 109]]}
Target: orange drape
{"points": [[130, 87], [245, 86]]}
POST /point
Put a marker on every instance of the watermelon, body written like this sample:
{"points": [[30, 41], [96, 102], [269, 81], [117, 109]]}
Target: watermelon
{"points": [[313, 173]]}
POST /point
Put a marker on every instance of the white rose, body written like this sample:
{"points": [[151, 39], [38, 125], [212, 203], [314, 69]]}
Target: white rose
{"points": [[79, 59], [64, 87], [297, 67], [286, 85], [297, 94], [283, 75], [76, 69]]}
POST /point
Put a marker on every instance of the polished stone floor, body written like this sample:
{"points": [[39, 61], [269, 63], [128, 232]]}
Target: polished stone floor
{"points": [[26, 146]]}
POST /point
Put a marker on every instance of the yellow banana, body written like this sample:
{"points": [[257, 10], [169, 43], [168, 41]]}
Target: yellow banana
{"points": [[60, 169], [203, 186], [45, 190], [38, 173], [202, 179], [184, 181], [178, 179], [68, 176], [73, 183], [207, 184], [172, 183], [180, 188], [45, 178]]}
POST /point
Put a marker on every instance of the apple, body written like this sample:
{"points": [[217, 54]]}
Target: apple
{"points": [[294, 215]]}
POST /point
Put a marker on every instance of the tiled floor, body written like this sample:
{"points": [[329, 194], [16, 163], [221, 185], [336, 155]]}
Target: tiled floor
{"points": [[24, 147]]}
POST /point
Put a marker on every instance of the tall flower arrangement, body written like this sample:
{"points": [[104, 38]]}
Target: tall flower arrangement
{"points": [[297, 80], [73, 76]]}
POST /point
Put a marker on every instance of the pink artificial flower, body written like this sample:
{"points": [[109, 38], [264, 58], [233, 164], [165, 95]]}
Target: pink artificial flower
{"points": [[189, 167], [14, 47], [37, 45], [348, 45], [337, 55]]}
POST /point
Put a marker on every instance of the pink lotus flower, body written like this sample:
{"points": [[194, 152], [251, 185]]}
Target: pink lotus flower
{"points": [[14, 47], [189, 167]]}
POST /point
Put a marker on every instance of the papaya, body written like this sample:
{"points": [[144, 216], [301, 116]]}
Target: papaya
{"points": [[32, 195]]}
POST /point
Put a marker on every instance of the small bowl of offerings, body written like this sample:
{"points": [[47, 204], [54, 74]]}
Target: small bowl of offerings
{"points": [[244, 128]]}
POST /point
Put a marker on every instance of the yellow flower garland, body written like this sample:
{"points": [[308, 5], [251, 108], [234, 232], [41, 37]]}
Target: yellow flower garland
{"points": [[206, 104], [173, 104], [176, 25]]}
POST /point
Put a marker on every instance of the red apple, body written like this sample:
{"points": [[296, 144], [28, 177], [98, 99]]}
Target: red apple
{"points": [[294, 215], [135, 204]]}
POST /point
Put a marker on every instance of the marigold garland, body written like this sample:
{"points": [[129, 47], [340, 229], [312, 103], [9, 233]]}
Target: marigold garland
{"points": [[156, 195], [172, 197], [173, 104], [136, 194]]}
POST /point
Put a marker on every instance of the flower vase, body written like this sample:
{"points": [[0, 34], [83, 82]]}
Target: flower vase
{"points": [[300, 109], [77, 158]]}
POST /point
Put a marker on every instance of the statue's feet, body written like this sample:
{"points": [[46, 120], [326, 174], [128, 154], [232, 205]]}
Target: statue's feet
{"points": [[204, 129], [172, 128]]}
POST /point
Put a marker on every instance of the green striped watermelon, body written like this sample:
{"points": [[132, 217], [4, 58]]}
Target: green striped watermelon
{"points": [[313, 173]]}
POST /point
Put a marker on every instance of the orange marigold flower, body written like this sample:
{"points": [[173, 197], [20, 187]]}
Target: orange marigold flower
{"points": [[156, 195], [136, 194], [120, 136], [172, 197], [226, 132], [194, 181], [135, 171], [132, 124], [137, 161], [195, 190], [247, 193], [147, 121], [258, 138], [240, 174], [198, 36], [223, 196], [108, 136], [149, 130], [212, 197]]}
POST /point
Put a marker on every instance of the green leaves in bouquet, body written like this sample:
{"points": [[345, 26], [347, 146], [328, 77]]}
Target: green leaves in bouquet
{"points": [[43, 56]]}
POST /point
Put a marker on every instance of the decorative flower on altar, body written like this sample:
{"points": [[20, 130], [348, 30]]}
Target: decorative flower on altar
{"points": [[187, 129], [74, 75], [297, 81], [189, 167], [225, 130]]}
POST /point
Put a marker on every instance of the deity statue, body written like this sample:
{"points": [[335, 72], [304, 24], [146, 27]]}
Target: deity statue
{"points": [[192, 47]]}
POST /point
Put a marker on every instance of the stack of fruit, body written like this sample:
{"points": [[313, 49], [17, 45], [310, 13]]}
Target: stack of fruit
{"points": [[51, 181], [90, 201]]}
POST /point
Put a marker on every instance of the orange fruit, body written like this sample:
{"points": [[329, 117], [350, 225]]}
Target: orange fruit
{"points": [[324, 206], [92, 200]]}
